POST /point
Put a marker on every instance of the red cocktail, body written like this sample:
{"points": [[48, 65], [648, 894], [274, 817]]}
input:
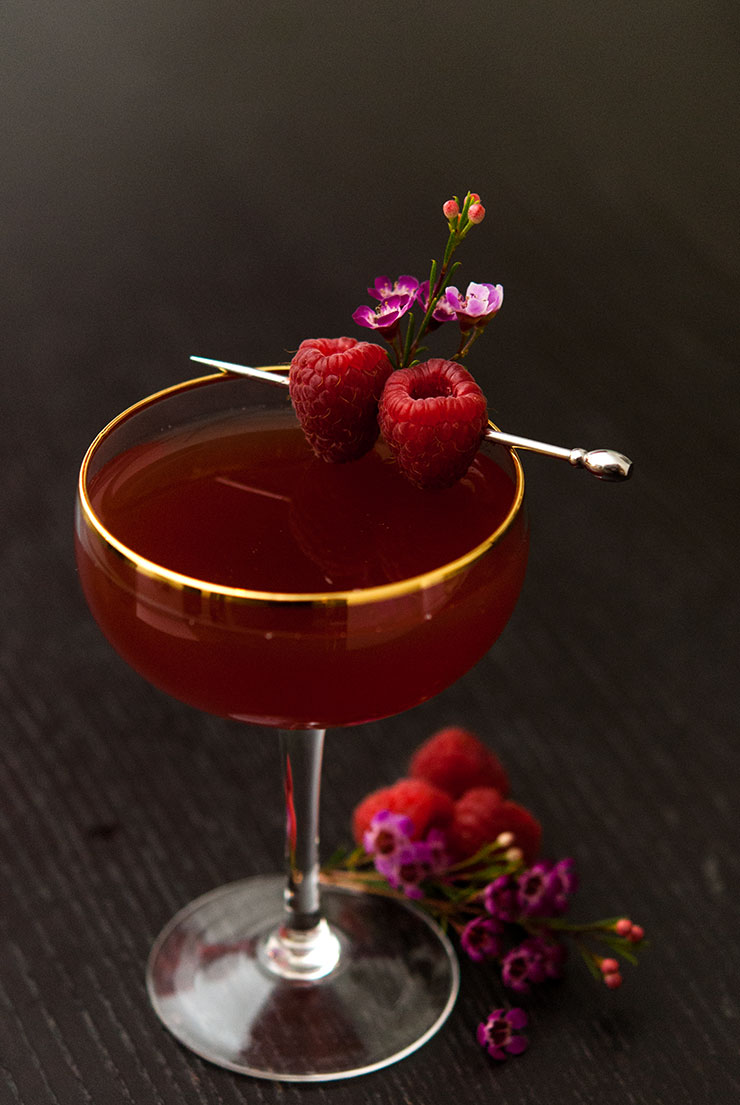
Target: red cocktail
{"points": [[237, 572]]}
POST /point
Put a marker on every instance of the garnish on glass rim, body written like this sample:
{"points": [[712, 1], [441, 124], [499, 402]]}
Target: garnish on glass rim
{"points": [[605, 464], [433, 419]]}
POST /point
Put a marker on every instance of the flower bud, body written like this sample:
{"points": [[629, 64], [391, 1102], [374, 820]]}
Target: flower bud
{"points": [[451, 209], [476, 213], [504, 840], [613, 980], [474, 197], [608, 966]]}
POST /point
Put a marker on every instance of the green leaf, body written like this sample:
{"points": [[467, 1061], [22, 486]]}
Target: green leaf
{"points": [[432, 277], [588, 959], [620, 947]]}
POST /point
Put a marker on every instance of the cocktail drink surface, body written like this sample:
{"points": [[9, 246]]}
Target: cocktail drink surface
{"points": [[288, 591], [239, 573]]}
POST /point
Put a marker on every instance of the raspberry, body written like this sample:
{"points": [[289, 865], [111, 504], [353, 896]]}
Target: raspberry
{"points": [[455, 760], [335, 385], [433, 416], [481, 814], [427, 806]]}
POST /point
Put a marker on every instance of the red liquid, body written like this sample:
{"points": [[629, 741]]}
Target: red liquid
{"points": [[242, 503]]}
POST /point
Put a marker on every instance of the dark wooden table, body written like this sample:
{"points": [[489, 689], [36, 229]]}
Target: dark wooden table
{"points": [[226, 179]]}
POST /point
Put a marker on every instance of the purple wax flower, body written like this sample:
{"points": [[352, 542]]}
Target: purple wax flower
{"points": [[501, 898], [481, 939], [478, 306], [384, 287], [499, 1034], [407, 868], [387, 834], [524, 965], [554, 955], [386, 316], [436, 843], [563, 883], [443, 312], [534, 890]]}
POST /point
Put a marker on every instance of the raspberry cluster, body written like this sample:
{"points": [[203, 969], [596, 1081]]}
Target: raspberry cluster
{"points": [[458, 785], [449, 836], [432, 415]]}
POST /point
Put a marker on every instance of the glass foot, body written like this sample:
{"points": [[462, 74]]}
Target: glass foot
{"points": [[211, 982]]}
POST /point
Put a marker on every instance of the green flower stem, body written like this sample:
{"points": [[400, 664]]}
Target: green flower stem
{"points": [[465, 343], [407, 345], [482, 860], [561, 925], [397, 347], [445, 276], [352, 877], [438, 281], [370, 882], [350, 882], [452, 243]]}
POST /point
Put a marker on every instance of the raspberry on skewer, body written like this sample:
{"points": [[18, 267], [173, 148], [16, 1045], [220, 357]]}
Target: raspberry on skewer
{"points": [[605, 464], [433, 417], [335, 385]]}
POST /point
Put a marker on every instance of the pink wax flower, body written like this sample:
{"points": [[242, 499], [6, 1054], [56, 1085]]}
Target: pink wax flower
{"points": [[442, 311], [387, 315], [501, 898], [384, 287], [406, 869], [524, 965], [478, 306], [388, 833], [563, 882], [481, 939], [500, 1033], [534, 893]]}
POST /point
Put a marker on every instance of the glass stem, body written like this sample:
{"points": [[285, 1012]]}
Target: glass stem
{"points": [[303, 946], [301, 751]]}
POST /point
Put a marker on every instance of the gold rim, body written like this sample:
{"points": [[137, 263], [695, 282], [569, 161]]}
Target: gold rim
{"points": [[359, 596]]}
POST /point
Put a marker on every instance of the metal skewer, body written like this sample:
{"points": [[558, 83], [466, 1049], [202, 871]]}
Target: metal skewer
{"points": [[245, 370], [605, 464]]}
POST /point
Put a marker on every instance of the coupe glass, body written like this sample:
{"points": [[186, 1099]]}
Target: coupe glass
{"points": [[268, 976]]}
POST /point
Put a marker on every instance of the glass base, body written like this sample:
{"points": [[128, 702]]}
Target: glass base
{"points": [[211, 982]]}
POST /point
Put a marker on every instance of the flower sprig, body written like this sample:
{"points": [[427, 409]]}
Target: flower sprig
{"points": [[502, 910], [438, 300]]}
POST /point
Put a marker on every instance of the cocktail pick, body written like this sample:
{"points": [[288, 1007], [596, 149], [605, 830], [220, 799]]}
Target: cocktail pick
{"points": [[605, 464]]}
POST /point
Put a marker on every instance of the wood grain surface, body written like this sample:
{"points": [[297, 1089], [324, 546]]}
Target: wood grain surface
{"points": [[225, 179]]}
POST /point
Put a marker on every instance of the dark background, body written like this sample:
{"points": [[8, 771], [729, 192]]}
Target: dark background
{"points": [[225, 179]]}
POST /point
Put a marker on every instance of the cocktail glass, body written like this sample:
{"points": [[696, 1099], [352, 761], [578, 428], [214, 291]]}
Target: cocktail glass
{"points": [[267, 976]]}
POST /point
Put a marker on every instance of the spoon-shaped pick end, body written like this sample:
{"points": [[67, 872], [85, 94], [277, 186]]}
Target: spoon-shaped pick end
{"points": [[605, 464]]}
